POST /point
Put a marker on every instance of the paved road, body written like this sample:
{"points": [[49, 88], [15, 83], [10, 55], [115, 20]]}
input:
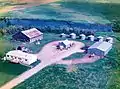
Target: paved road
{"points": [[48, 55]]}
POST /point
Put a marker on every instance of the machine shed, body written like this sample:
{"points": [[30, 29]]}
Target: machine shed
{"points": [[100, 48]]}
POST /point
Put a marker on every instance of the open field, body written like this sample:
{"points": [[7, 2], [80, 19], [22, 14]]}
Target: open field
{"points": [[11, 5], [93, 11]]}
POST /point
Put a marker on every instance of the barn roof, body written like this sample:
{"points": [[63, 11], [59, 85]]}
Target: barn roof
{"points": [[66, 42], [31, 33], [104, 46]]}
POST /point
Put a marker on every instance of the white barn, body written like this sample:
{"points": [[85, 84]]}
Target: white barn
{"points": [[17, 56], [73, 35], [82, 36], [100, 48]]}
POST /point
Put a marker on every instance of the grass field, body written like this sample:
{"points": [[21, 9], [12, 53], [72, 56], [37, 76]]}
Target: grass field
{"points": [[93, 11]]}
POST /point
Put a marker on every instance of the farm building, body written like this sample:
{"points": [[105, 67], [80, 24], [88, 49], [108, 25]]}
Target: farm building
{"points": [[73, 35], [91, 37], [109, 39], [64, 44], [99, 39], [17, 56], [63, 35], [30, 35], [100, 48], [82, 36]]}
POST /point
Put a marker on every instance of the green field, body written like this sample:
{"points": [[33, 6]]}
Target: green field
{"points": [[93, 11]]}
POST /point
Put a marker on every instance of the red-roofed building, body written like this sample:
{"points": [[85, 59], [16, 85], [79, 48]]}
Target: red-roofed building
{"points": [[30, 35]]}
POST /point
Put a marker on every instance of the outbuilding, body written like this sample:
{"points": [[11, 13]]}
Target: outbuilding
{"points": [[82, 36], [17, 56], [100, 39], [100, 48], [30, 35], [73, 35], [63, 35], [109, 39], [91, 38], [64, 44]]}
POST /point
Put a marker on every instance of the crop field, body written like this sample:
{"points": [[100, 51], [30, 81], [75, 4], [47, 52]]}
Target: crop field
{"points": [[93, 11]]}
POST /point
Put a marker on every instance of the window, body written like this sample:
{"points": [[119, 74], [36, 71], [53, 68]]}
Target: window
{"points": [[7, 55], [25, 59]]}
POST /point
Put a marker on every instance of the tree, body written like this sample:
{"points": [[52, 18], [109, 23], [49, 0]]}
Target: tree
{"points": [[116, 25]]}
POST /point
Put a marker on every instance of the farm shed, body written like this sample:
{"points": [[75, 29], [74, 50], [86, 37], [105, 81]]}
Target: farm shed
{"points": [[17, 56], [30, 35], [100, 48], [99, 39], [63, 35], [73, 35], [91, 37], [109, 39], [82, 36]]}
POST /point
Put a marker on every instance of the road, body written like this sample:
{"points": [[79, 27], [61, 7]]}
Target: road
{"points": [[48, 56]]}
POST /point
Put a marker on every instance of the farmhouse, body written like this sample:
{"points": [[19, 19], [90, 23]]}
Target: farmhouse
{"points": [[100, 48], [17, 56], [30, 35]]}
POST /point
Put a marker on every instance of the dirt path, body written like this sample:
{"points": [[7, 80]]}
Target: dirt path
{"points": [[85, 59], [48, 55]]}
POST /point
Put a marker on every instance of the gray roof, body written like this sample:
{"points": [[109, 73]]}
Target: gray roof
{"points": [[101, 46]]}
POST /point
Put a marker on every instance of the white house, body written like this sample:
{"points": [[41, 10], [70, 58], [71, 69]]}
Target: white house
{"points": [[91, 37], [100, 39], [17, 56], [64, 44], [109, 39], [100, 48], [82, 36], [73, 35]]}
